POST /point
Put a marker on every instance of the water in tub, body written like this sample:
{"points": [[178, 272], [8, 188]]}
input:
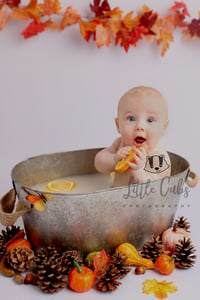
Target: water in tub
{"points": [[79, 184]]}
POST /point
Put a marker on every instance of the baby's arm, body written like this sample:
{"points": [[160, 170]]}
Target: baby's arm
{"points": [[106, 159]]}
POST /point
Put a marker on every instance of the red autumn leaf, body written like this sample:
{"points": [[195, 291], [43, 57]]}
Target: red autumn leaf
{"points": [[99, 8], [194, 28], [33, 29], [122, 36], [71, 16], [3, 18], [136, 35], [50, 7], [147, 20], [180, 7], [100, 263], [11, 3]]}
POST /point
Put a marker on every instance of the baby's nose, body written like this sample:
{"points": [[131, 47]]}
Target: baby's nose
{"points": [[140, 125]]}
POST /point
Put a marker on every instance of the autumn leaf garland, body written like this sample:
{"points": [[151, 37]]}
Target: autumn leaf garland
{"points": [[106, 25]]}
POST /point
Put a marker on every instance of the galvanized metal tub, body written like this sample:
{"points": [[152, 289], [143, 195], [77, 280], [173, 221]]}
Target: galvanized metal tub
{"points": [[101, 219]]}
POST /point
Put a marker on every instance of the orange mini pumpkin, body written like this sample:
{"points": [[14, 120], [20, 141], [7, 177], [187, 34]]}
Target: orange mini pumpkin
{"points": [[165, 264], [19, 242], [81, 279]]}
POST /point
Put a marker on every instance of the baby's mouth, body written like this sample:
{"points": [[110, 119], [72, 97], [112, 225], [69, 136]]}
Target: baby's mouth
{"points": [[140, 140]]}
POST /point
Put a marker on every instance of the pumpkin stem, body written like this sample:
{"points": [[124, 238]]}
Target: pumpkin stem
{"points": [[78, 266], [174, 227]]}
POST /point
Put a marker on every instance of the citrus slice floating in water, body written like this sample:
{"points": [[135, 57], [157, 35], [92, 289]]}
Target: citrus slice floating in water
{"points": [[60, 186]]}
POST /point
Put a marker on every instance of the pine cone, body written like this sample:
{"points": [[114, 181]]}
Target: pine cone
{"points": [[20, 259], [107, 284], [182, 222], [9, 233], [118, 265], [68, 258], [153, 248], [184, 254], [50, 270], [116, 269], [2, 248], [6, 236]]}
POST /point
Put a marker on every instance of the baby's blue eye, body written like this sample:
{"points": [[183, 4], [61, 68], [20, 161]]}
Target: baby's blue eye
{"points": [[150, 120], [131, 119]]}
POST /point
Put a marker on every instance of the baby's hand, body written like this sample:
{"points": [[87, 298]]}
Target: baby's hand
{"points": [[139, 160], [122, 153]]}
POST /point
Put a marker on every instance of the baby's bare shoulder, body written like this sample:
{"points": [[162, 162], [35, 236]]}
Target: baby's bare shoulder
{"points": [[115, 145]]}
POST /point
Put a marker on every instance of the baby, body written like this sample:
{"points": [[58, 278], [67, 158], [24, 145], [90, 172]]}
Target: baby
{"points": [[141, 122]]}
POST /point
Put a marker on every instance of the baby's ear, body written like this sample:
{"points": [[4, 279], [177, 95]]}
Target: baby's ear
{"points": [[165, 126], [117, 124]]}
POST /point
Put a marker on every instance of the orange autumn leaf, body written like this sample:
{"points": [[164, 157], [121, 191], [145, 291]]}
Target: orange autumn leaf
{"points": [[145, 8], [129, 21], [31, 11], [163, 29], [20, 14], [71, 16], [3, 18], [115, 13], [102, 36], [87, 28], [50, 7], [165, 38], [160, 289], [180, 6], [49, 24], [100, 263]]}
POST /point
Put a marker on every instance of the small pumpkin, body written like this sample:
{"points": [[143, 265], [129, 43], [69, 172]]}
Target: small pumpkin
{"points": [[172, 236], [133, 257], [165, 264], [19, 242], [81, 278]]}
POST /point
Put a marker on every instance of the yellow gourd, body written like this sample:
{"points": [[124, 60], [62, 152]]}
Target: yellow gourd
{"points": [[133, 257]]}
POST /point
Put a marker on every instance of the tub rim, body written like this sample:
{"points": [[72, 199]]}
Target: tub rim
{"points": [[28, 187]]}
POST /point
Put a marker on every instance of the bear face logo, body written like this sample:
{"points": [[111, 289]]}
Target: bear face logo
{"points": [[156, 164]]}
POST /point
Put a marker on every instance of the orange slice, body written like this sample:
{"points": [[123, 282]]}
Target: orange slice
{"points": [[122, 165], [60, 186]]}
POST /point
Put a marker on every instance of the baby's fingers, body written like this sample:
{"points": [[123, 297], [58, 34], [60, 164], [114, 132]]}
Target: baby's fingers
{"points": [[141, 153]]}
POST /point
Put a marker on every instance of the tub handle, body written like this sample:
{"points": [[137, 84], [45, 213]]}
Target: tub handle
{"points": [[194, 179], [8, 213]]}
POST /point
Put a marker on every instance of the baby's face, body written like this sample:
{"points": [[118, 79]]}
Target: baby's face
{"points": [[142, 119]]}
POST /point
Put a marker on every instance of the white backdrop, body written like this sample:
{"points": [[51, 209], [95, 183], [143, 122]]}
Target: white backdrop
{"points": [[59, 93]]}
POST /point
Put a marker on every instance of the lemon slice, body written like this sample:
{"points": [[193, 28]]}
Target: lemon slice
{"points": [[60, 186]]}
